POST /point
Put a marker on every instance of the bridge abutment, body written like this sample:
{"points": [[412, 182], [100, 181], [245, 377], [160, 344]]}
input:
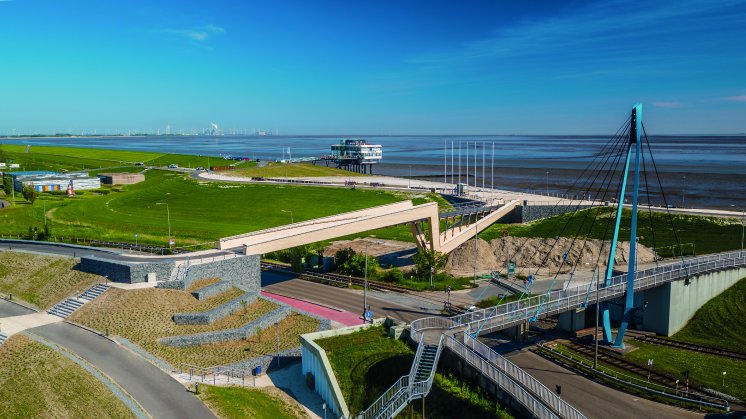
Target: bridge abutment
{"points": [[671, 305], [571, 321]]}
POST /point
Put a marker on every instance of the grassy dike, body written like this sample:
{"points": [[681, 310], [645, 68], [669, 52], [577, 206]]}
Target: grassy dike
{"points": [[697, 234], [36, 381], [367, 362]]}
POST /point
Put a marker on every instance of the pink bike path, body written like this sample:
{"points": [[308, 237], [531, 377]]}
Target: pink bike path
{"points": [[344, 317]]}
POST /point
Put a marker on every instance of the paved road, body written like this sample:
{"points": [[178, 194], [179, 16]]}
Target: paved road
{"points": [[156, 391], [341, 298], [591, 398]]}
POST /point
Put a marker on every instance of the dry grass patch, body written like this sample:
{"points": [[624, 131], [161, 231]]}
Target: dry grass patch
{"points": [[144, 316], [201, 283], [38, 382], [42, 280]]}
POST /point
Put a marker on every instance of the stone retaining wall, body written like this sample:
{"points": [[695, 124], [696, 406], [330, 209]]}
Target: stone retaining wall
{"points": [[243, 272], [217, 313], [527, 213], [212, 290], [127, 272], [243, 332]]}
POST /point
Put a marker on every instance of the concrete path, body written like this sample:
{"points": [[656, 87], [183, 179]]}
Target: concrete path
{"points": [[591, 398], [16, 324], [159, 394]]}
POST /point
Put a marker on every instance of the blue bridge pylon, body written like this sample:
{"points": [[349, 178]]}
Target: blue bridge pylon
{"points": [[634, 143]]}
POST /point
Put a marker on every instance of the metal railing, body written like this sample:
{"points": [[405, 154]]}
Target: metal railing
{"points": [[555, 302], [421, 388], [216, 374], [541, 392], [627, 380], [390, 402], [507, 384]]}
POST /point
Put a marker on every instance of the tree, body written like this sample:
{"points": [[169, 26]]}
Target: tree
{"points": [[352, 263], [30, 194], [425, 259], [7, 184], [298, 256]]}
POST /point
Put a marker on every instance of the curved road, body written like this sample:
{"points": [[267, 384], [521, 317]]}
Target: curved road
{"points": [[156, 391]]}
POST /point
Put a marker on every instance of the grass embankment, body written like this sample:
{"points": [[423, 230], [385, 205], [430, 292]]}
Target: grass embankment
{"points": [[144, 316], [72, 158], [36, 381], [368, 362], [704, 370], [199, 211], [721, 322], [700, 235], [275, 170], [42, 280], [493, 301], [239, 402]]}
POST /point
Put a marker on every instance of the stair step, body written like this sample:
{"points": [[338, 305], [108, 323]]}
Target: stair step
{"points": [[3, 338]]}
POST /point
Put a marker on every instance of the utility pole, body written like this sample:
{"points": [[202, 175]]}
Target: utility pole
{"points": [[595, 336]]}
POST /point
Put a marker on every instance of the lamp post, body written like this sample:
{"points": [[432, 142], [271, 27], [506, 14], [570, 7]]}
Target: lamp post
{"points": [[277, 336], [743, 215], [365, 286], [409, 183], [547, 182], [168, 219], [292, 221], [683, 190]]}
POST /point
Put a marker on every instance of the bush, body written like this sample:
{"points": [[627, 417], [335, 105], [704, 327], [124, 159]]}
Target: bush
{"points": [[393, 275], [352, 263]]}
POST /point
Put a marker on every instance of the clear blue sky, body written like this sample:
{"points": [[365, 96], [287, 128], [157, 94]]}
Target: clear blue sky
{"points": [[375, 67]]}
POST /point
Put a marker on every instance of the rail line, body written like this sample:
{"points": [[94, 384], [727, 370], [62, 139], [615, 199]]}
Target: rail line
{"points": [[689, 346], [613, 359], [336, 279]]}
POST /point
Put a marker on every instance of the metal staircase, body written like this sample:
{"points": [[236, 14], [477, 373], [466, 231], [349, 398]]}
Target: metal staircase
{"points": [[410, 387]]}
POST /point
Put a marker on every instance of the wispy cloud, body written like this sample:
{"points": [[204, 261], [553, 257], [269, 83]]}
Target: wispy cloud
{"points": [[668, 104], [739, 98], [198, 34], [613, 37]]}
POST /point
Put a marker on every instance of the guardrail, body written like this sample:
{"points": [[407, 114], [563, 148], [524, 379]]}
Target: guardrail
{"points": [[675, 394]]}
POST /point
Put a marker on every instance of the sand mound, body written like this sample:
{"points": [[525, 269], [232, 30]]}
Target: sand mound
{"points": [[531, 253]]}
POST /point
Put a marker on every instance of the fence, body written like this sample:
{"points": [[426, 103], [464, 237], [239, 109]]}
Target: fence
{"points": [[216, 375]]}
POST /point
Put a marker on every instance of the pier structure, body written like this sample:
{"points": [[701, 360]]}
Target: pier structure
{"points": [[355, 155]]}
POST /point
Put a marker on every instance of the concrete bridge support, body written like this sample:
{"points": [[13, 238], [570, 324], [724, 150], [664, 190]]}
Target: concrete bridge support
{"points": [[671, 305], [571, 321]]}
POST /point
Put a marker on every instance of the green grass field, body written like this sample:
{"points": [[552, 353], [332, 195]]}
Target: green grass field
{"points": [[367, 362], [41, 280], [272, 169], [704, 370], [38, 382], [239, 402], [721, 323], [707, 234], [199, 211], [144, 316]]}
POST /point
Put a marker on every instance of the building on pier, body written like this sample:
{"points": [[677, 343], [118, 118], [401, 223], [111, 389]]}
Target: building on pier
{"points": [[355, 155]]}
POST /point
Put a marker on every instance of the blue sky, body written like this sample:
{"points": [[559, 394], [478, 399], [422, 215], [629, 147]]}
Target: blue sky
{"points": [[372, 67]]}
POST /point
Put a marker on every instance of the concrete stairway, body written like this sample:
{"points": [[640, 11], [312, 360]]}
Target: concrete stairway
{"points": [[3, 338], [68, 306], [91, 293]]}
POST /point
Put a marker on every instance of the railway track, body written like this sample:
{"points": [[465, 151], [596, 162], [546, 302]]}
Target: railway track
{"points": [[688, 346], [612, 358]]}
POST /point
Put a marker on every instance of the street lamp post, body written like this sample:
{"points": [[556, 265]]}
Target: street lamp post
{"points": [[743, 215], [277, 336], [683, 190], [547, 182], [409, 183], [168, 219], [292, 221], [365, 286]]}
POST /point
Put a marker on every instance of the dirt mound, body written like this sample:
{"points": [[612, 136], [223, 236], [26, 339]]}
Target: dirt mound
{"points": [[532, 253]]}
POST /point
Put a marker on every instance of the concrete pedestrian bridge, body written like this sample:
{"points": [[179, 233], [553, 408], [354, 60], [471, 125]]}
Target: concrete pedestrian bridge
{"points": [[466, 223]]}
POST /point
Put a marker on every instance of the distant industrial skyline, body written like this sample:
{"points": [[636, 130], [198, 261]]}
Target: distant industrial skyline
{"points": [[378, 68]]}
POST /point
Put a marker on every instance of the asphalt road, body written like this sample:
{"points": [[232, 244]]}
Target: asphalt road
{"points": [[593, 399], [341, 298], [160, 394], [156, 391]]}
